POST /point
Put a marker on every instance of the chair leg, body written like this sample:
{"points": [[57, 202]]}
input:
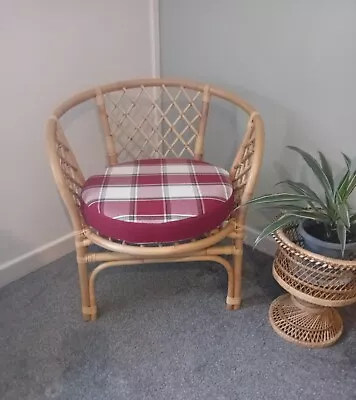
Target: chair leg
{"points": [[92, 297], [84, 284], [84, 290], [230, 284], [237, 261]]}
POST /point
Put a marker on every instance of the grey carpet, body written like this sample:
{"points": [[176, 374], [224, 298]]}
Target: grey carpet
{"points": [[163, 333]]}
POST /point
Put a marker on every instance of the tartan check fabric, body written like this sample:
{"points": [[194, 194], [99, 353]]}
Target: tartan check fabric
{"points": [[158, 191]]}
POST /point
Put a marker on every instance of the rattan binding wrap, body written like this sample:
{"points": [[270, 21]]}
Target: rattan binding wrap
{"points": [[316, 284]]}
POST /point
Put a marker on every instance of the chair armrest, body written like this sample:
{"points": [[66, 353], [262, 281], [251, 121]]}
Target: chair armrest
{"points": [[66, 171], [247, 163]]}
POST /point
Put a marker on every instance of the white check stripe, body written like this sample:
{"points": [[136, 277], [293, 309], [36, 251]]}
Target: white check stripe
{"points": [[197, 188], [222, 182], [103, 189], [136, 174], [165, 192]]}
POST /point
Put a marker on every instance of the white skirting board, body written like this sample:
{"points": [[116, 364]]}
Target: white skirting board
{"points": [[35, 259], [31, 261]]}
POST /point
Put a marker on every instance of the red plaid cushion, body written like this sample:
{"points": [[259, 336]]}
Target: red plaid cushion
{"points": [[157, 200]]}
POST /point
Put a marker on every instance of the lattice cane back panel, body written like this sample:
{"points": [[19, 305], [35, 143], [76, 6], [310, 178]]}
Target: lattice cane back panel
{"points": [[153, 122], [326, 279]]}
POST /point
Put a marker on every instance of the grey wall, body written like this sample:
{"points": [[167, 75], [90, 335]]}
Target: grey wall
{"points": [[294, 61], [50, 51]]}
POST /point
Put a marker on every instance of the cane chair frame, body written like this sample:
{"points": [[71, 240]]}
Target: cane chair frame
{"points": [[69, 177]]}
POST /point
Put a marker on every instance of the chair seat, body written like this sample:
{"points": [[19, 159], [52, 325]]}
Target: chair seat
{"points": [[157, 200]]}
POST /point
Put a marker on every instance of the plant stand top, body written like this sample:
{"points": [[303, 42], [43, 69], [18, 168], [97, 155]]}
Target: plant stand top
{"points": [[324, 281]]}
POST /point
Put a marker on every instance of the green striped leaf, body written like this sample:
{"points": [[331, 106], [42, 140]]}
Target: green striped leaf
{"points": [[352, 185], [343, 212], [316, 168], [275, 198], [347, 161], [296, 207], [341, 234], [301, 188], [281, 222], [327, 169], [342, 187], [305, 214]]}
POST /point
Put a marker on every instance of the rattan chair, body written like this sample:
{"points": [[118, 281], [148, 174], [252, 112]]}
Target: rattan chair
{"points": [[162, 120]]}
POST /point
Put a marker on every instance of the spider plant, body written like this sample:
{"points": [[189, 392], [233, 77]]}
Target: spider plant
{"points": [[328, 208]]}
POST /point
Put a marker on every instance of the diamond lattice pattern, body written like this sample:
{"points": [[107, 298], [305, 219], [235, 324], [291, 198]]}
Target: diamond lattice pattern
{"points": [[154, 122]]}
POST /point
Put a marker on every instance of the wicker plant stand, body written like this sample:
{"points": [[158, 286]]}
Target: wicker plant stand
{"points": [[316, 284]]}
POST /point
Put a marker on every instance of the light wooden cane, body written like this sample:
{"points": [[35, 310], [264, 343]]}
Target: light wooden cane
{"points": [[157, 118]]}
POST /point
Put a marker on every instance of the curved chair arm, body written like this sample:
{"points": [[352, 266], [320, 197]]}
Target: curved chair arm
{"points": [[66, 171], [247, 163]]}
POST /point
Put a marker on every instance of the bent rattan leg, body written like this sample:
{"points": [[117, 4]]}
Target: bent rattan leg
{"points": [[84, 284], [226, 264], [237, 267]]}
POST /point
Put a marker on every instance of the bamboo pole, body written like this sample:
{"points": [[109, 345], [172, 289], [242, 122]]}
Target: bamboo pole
{"points": [[111, 155], [199, 143]]}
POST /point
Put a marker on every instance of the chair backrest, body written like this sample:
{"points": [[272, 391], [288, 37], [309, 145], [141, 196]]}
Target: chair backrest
{"points": [[151, 118]]}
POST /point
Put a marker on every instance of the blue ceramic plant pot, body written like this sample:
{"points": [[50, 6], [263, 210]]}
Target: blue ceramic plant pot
{"points": [[326, 249]]}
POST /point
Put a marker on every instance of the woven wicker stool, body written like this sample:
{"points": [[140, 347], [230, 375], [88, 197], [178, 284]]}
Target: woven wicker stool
{"points": [[315, 284]]}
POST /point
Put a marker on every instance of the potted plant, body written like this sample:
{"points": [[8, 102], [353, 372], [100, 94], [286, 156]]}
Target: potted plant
{"points": [[327, 223]]}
